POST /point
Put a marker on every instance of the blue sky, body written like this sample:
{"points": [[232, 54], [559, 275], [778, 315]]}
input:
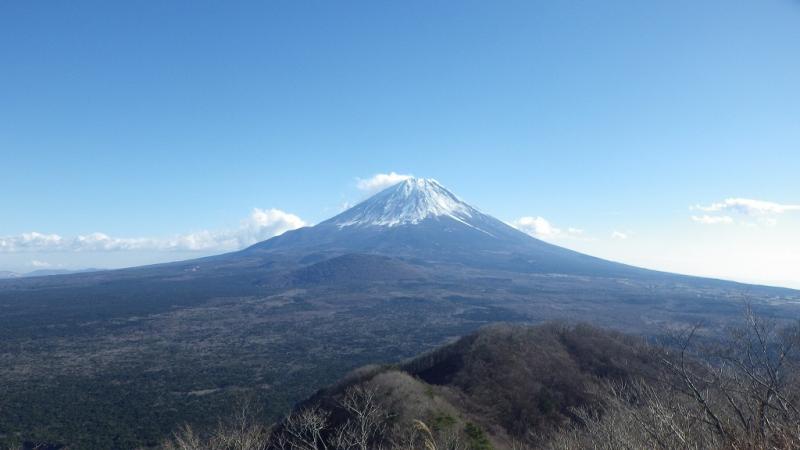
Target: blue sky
{"points": [[162, 123]]}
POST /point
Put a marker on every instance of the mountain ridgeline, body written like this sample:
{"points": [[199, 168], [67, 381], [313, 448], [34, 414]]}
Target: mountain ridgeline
{"points": [[117, 359]]}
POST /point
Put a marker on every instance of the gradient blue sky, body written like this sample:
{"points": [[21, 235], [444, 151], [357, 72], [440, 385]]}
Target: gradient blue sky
{"points": [[156, 120]]}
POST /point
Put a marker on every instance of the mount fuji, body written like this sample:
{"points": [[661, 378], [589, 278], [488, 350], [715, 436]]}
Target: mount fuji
{"points": [[401, 273], [420, 219], [415, 229]]}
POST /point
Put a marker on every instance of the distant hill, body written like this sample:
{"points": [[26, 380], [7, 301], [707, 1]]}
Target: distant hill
{"points": [[510, 382], [44, 273], [49, 272]]}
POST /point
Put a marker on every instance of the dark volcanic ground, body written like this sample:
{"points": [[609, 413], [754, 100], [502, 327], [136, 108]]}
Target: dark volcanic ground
{"points": [[118, 359]]}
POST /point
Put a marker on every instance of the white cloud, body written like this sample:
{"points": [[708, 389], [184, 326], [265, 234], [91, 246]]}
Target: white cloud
{"points": [[749, 207], [619, 235], [40, 264], [381, 181], [751, 213], [260, 225], [264, 224], [31, 240], [537, 226], [541, 228], [103, 242], [768, 221], [712, 220]]}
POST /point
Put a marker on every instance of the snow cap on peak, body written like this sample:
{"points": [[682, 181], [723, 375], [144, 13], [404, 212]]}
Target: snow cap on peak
{"points": [[408, 202], [421, 183]]}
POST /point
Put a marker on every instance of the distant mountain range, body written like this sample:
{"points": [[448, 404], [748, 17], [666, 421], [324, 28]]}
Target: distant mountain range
{"points": [[5, 274], [405, 271]]}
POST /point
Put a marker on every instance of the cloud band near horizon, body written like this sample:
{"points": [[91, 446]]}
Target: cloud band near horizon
{"points": [[260, 225]]}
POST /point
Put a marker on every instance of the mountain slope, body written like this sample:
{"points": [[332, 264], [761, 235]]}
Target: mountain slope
{"points": [[419, 218]]}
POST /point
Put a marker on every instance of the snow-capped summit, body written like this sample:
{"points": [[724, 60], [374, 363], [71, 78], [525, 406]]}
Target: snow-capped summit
{"points": [[407, 203], [420, 220], [414, 217]]}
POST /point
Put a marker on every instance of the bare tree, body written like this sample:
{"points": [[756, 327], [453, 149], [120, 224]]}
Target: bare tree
{"points": [[185, 439], [426, 438], [404, 437], [242, 431], [739, 392], [745, 386], [304, 430], [367, 419]]}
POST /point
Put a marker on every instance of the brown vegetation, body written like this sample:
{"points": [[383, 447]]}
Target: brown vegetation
{"points": [[739, 393], [553, 387]]}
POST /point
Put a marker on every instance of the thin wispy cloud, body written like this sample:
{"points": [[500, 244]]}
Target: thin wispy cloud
{"points": [[750, 212], [260, 225], [380, 181], [712, 220], [748, 207], [619, 235]]}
